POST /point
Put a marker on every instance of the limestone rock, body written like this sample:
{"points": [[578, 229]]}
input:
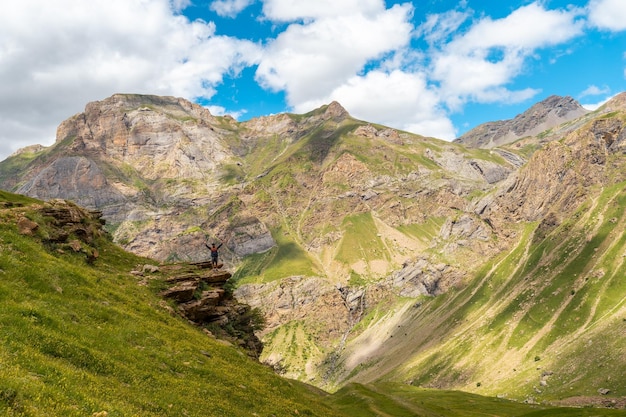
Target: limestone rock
{"points": [[26, 226]]}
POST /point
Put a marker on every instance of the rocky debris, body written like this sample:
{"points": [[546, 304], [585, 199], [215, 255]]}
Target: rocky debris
{"points": [[201, 297], [355, 301], [26, 226], [473, 169], [599, 401], [370, 131], [421, 277]]}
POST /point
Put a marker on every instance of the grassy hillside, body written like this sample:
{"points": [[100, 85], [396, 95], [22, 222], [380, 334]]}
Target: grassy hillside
{"points": [[78, 339], [542, 322]]}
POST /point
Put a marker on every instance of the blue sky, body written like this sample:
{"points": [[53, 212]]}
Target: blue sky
{"points": [[436, 68]]}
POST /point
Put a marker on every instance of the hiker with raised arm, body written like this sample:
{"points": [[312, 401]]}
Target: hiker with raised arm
{"points": [[214, 253]]}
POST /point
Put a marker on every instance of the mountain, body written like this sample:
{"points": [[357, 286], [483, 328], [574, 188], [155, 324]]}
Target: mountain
{"points": [[374, 255], [551, 112]]}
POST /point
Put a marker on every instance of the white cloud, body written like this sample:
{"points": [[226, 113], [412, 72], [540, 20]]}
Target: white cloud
{"points": [[57, 56], [477, 65], [439, 27], [229, 8], [594, 90], [310, 60], [595, 106], [608, 14], [221, 111], [295, 10]]}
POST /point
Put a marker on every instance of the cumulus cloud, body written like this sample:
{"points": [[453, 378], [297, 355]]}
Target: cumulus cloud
{"points": [[295, 10], [399, 99], [478, 64], [57, 56], [594, 90], [608, 14], [310, 60]]}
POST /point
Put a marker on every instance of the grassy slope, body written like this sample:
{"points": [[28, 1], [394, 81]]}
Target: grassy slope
{"points": [[391, 400], [78, 339], [552, 309]]}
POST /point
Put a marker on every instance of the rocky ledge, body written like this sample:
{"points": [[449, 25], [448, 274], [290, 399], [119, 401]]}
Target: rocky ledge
{"points": [[201, 295]]}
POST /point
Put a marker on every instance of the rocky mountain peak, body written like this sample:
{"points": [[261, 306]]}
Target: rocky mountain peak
{"points": [[336, 111], [542, 116], [164, 137]]}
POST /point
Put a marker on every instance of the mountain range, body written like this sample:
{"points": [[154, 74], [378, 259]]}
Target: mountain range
{"points": [[493, 264]]}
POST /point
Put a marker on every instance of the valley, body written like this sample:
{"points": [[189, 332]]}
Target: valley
{"points": [[376, 257]]}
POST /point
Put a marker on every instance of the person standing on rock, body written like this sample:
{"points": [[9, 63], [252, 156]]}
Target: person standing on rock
{"points": [[214, 253]]}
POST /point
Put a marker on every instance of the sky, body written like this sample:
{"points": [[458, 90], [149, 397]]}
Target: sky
{"points": [[436, 68]]}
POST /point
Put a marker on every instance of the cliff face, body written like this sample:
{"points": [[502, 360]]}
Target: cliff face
{"points": [[328, 221]]}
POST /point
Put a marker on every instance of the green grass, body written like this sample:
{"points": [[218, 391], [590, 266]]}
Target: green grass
{"points": [[360, 240], [285, 260], [426, 231], [391, 400], [77, 339]]}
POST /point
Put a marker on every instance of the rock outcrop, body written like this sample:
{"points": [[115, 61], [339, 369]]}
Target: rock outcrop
{"points": [[66, 227], [201, 297]]}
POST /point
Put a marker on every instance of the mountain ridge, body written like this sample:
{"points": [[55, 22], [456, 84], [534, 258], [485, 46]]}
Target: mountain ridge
{"points": [[330, 221], [542, 116]]}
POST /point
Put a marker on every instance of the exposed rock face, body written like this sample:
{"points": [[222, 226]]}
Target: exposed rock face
{"points": [[74, 178], [251, 236], [299, 298], [544, 115], [422, 278], [175, 141], [199, 291], [558, 179]]}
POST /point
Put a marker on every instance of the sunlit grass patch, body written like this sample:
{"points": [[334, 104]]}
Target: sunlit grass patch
{"points": [[361, 240]]}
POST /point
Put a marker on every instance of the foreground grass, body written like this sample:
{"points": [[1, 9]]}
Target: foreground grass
{"points": [[79, 339], [393, 400]]}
